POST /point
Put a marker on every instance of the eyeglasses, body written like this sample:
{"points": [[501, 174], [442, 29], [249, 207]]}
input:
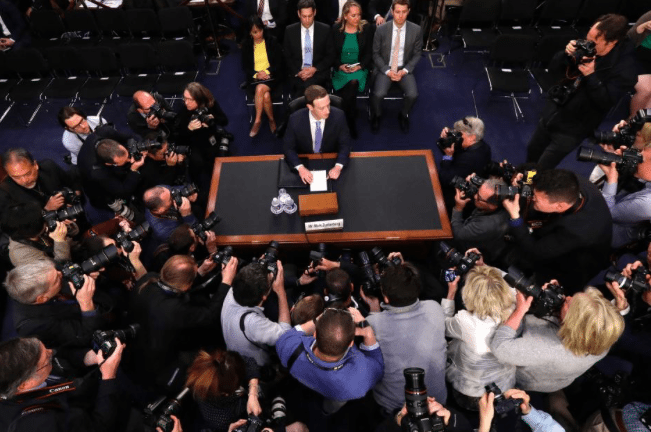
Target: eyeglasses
{"points": [[78, 124], [466, 122], [50, 354], [187, 98]]}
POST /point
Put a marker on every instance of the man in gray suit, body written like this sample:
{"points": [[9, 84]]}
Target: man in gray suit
{"points": [[396, 51]]}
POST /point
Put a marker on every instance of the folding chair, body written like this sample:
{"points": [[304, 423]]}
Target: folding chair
{"points": [[29, 64], [179, 67]]}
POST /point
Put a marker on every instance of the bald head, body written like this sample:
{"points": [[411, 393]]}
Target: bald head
{"points": [[157, 199], [143, 100]]}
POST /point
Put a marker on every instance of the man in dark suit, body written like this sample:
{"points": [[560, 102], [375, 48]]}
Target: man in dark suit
{"points": [[396, 51], [14, 32], [317, 129], [272, 13], [140, 117], [308, 51]]}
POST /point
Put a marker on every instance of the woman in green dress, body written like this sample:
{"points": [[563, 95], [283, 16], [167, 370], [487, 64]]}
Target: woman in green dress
{"points": [[353, 41]]}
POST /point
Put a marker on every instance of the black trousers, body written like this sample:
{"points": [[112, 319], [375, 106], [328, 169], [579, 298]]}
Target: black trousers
{"points": [[549, 148]]}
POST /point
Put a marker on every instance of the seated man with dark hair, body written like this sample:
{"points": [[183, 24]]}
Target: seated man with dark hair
{"points": [[29, 239], [411, 333], [246, 328], [318, 128], [163, 214], [32, 398], [56, 316], [140, 117], [571, 229]]}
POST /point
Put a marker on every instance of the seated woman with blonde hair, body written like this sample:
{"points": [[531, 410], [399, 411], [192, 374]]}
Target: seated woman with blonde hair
{"points": [[471, 364]]}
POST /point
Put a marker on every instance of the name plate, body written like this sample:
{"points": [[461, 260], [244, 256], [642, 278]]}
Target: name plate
{"points": [[326, 225]]}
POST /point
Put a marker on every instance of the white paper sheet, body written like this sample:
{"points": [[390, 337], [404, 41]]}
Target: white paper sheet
{"points": [[319, 181]]}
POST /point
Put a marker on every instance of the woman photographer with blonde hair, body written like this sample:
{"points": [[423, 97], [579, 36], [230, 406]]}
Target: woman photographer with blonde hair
{"points": [[471, 364], [551, 353]]}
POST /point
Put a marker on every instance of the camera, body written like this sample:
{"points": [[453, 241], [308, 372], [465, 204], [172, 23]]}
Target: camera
{"points": [[372, 285], [104, 340], [157, 111], [125, 239], [223, 256], [135, 148], [562, 93], [120, 208], [203, 115], [316, 257], [546, 301], [468, 188], [583, 48], [74, 273], [451, 138], [184, 191], [636, 283], [178, 149], [200, 228], [503, 192], [53, 216], [627, 133], [158, 413], [253, 424], [454, 258], [418, 418], [626, 163], [502, 405], [69, 196], [270, 258], [505, 171], [224, 138], [378, 257]]}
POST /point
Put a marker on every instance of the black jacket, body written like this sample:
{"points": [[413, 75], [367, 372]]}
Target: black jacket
{"points": [[198, 138], [138, 123], [615, 74], [323, 52], [274, 55], [464, 162], [364, 40]]}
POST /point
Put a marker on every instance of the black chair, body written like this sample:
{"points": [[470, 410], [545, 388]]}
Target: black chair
{"points": [[517, 17], [140, 68], [477, 24], [82, 21], [144, 25], [507, 71], [547, 47], [593, 9], [177, 23], [298, 103], [46, 28], [69, 73], [179, 65], [8, 80], [634, 9], [112, 24], [163, 4], [29, 64], [557, 17], [104, 75], [137, 4], [277, 98]]}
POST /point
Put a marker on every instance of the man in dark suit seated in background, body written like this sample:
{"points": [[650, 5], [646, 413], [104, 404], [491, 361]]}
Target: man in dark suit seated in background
{"points": [[308, 51], [318, 128], [396, 51]]}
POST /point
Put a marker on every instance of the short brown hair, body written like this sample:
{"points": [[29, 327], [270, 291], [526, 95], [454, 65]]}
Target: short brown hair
{"points": [[178, 271], [215, 375], [307, 309], [313, 93], [400, 2], [335, 331], [201, 95], [612, 27]]}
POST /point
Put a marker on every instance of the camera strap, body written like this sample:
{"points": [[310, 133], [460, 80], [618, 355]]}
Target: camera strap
{"points": [[242, 318], [49, 391]]}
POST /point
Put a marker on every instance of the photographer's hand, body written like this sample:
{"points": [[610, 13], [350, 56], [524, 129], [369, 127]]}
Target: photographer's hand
{"points": [[460, 200], [514, 393], [306, 278], [279, 288], [486, 412], [372, 302], [621, 303], [480, 261], [135, 165], [522, 305], [235, 425], [85, 294], [152, 122], [512, 206], [206, 266], [109, 368], [134, 257], [55, 202], [60, 232], [327, 265], [393, 255], [186, 208], [570, 48], [587, 68], [211, 242], [436, 408], [253, 404], [229, 271], [449, 151], [367, 332], [177, 425], [453, 286], [194, 125], [171, 159]]}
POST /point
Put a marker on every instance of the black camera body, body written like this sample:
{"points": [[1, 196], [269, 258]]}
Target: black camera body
{"points": [[158, 413], [74, 273], [505, 170], [270, 258], [104, 340], [203, 115], [454, 258], [381, 259], [503, 192], [253, 424], [125, 239], [184, 191], [468, 187], [53, 216], [161, 114], [69, 196], [546, 301], [626, 163], [135, 148], [451, 138], [418, 418], [200, 228], [636, 283], [503, 406], [372, 284], [627, 133], [583, 48], [316, 257], [223, 256], [178, 149]]}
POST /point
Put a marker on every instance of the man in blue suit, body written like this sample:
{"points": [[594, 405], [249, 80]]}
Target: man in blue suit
{"points": [[317, 129]]}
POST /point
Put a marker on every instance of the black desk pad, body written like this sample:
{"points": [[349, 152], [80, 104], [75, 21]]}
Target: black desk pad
{"points": [[390, 193]]}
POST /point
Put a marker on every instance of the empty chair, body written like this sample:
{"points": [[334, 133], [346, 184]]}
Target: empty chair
{"points": [[46, 27], [139, 63], [177, 23], [143, 24], [180, 67], [517, 17], [557, 17], [112, 25], [509, 58], [104, 75], [477, 24], [30, 65], [82, 21], [593, 9], [69, 73], [547, 47], [8, 80]]}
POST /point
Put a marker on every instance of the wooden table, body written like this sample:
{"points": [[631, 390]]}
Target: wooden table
{"points": [[384, 197]]}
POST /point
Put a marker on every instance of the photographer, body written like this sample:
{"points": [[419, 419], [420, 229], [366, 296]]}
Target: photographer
{"points": [[176, 318], [629, 211], [550, 354], [596, 84], [30, 181], [140, 117], [162, 165], [246, 328], [163, 214], [571, 229], [453, 421], [486, 226], [78, 126], [539, 421], [29, 238], [411, 333], [26, 367], [57, 316]]}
